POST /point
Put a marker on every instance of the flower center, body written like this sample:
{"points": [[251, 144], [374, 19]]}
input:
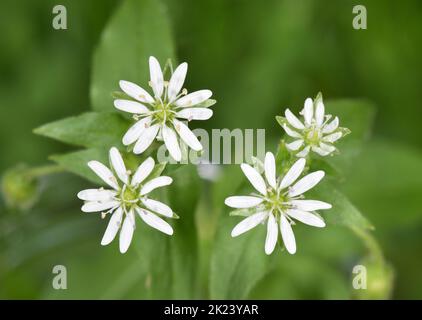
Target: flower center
{"points": [[276, 201], [129, 195], [312, 136], [163, 112]]}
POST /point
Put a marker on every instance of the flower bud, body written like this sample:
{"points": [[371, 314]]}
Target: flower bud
{"points": [[19, 188]]}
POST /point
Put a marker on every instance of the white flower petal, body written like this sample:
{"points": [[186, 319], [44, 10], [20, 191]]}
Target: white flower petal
{"points": [[135, 91], [130, 106], [193, 98], [94, 206], [195, 113], [295, 145], [306, 217], [332, 137], [330, 127], [304, 152], [96, 195], [177, 80], [327, 147], [306, 183], [143, 171], [242, 202], [319, 113], [320, 151], [254, 178], [294, 172], [269, 165], [136, 130], [155, 183], [146, 138], [112, 227], [118, 165], [126, 233], [155, 221], [171, 142], [291, 132], [187, 135], [158, 207], [156, 76], [249, 223], [293, 120], [310, 205], [287, 235], [308, 111], [104, 173], [272, 234]]}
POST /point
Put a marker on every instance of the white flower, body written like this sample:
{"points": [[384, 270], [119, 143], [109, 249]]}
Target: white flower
{"points": [[128, 196], [158, 115], [278, 202], [317, 133]]}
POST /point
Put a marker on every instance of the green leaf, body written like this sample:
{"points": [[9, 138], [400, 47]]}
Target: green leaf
{"points": [[139, 29], [358, 116], [88, 130], [76, 162]]}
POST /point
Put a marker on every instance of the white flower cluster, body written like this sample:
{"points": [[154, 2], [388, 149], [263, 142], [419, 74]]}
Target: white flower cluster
{"points": [[158, 116], [280, 200], [317, 132]]}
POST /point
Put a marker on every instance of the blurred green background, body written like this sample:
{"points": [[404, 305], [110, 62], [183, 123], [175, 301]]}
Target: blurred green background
{"points": [[258, 57]]}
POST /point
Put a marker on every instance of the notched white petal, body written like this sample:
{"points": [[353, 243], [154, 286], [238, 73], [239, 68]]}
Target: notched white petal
{"points": [[187, 135], [177, 80], [294, 172], [158, 207], [332, 137], [269, 166], [330, 127], [118, 164], [319, 113], [171, 142], [295, 145], [249, 223], [194, 98], [155, 221], [306, 218], [104, 173], [308, 111], [242, 202], [290, 132], [310, 205], [272, 234], [96, 195], [112, 227], [143, 171], [94, 206], [136, 131], [254, 178], [156, 76], [155, 183], [195, 113], [146, 138], [130, 106], [287, 235], [126, 233], [304, 152], [135, 91], [293, 120], [306, 183]]}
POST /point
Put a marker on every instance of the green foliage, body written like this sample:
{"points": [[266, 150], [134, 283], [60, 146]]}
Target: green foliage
{"points": [[136, 31], [91, 130]]}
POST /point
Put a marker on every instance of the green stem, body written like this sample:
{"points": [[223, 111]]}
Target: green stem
{"points": [[371, 244], [43, 171]]}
